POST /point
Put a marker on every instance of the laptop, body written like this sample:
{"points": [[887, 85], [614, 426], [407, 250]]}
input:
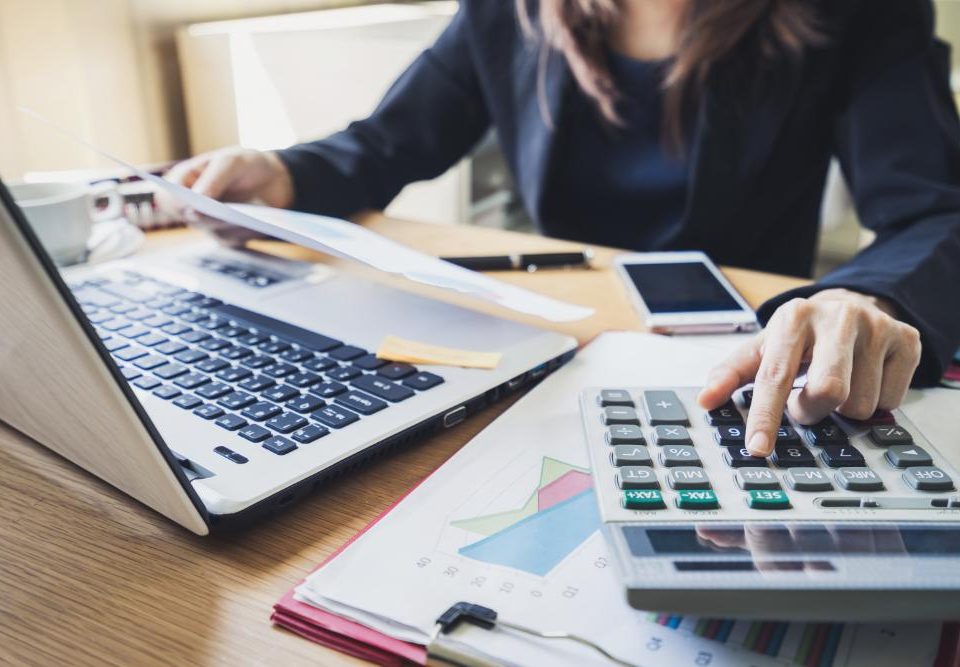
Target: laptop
{"points": [[217, 386]]}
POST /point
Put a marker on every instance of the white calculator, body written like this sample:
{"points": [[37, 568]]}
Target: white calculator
{"points": [[844, 521]]}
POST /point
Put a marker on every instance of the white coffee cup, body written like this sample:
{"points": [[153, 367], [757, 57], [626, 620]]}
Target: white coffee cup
{"points": [[62, 215]]}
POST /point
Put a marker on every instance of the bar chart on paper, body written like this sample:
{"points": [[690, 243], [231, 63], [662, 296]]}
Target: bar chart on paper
{"points": [[557, 516]]}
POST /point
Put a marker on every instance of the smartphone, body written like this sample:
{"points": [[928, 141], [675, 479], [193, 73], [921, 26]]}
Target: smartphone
{"points": [[684, 292]]}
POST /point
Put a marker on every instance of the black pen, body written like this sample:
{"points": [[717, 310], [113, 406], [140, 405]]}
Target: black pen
{"points": [[518, 262]]}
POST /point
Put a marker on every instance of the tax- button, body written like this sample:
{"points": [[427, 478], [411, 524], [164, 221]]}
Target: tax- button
{"points": [[859, 479], [637, 477], [688, 477], [908, 456], [928, 478], [643, 500], [697, 500], [768, 500]]}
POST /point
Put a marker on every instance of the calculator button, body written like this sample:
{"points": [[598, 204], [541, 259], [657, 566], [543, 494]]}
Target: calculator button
{"points": [[768, 500], [625, 434], [826, 433], [792, 457], [671, 435], [908, 456], [620, 415], [747, 397], [637, 477], [890, 435], [688, 477], [679, 455], [610, 397], [643, 500], [665, 408], [808, 479], [697, 500], [725, 414], [786, 435], [730, 436], [841, 456], [756, 478], [630, 455], [859, 479], [741, 458], [928, 478]]}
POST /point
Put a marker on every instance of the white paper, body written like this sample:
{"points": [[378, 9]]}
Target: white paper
{"points": [[351, 241], [408, 568]]}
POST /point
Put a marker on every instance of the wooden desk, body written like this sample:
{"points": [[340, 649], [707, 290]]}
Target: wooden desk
{"points": [[87, 576]]}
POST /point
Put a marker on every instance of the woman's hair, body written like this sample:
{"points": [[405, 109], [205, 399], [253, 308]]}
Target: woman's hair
{"points": [[709, 32]]}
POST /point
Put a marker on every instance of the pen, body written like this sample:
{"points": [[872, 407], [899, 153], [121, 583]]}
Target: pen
{"points": [[515, 262]]}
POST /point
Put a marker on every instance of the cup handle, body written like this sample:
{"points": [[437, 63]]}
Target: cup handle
{"points": [[114, 207]]}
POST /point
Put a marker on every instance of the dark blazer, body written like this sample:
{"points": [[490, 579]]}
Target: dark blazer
{"points": [[876, 96]]}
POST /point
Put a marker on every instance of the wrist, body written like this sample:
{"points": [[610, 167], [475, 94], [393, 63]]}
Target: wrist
{"points": [[281, 190]]}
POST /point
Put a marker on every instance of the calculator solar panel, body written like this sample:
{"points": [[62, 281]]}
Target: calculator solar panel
{"points": [[841, 513]]}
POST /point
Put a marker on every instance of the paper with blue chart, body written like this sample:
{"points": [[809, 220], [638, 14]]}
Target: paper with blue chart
{"points": [[510, 522]]}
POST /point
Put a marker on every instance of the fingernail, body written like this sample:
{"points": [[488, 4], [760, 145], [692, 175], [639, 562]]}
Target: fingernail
{"points": [[759, 444]]}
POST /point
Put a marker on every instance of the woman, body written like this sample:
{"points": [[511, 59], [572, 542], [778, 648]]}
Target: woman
{"points": [[677, 124]]}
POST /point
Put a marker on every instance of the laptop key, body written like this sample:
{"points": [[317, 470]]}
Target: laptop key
{"points": [[296, 355], [170, 371], [175, 329], [156, 321], [348, 353], [257, 383], [280, 393], [113, 345], [279, 445], [188, 402], [362, 403], [319, 364], [191, 356], [305, 404], [254, 433], [191, 380], [261, 411], [422, 381], [334, 416], [309, 433], [214, 391], [234, 331], [171, 347], [274, 346], [215, 344], [208, 411], [383, 388], [233, 374], [344, 374], [151, 362], [237, 400], [146, 382], [286, 422], [236, 352], [133, 331], [328, 389], [195, 336], [253, 339], [258, 361], [304, 379], [369, 362], [212, 365], [396, 371], [279, 370], [130, 353], [231, 422], [166, 392]]}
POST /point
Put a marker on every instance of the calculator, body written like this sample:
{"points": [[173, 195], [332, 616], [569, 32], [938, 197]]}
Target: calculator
{"points": [[846, 520]]}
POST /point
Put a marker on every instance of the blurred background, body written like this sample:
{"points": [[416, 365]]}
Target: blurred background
{"points": [[157, 80]]}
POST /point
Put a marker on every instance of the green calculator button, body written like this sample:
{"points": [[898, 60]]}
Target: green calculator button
{"points": [[643, 499], [697, 500], [769, 500]]}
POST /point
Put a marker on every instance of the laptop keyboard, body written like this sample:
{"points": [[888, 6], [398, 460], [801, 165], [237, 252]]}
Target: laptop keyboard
{"points": [[270, 382]]}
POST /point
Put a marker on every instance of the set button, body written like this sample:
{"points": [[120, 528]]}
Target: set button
{"points": [[768, 500]]}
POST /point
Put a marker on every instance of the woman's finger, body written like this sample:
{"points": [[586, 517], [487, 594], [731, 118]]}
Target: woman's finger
{"points": [[216, 177], [830, 370], [902, 361]]}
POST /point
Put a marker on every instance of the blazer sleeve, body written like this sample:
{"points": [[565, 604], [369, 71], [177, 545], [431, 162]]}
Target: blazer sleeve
{"points": [[429, 119], [897, 138]]}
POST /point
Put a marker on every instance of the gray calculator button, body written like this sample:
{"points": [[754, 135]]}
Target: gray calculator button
{"points": [[665, 408], [688, 477], [908, 456], [679, 455], [928, 478], [637, 477], [610, 397], [620, 415], [625, 434], [808, 479], [667, 434], [886, 435], [750, 479], [859, 479], [630, 455]]}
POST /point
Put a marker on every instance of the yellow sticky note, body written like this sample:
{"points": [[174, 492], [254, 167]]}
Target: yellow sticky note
{"points": [[394, 348]]}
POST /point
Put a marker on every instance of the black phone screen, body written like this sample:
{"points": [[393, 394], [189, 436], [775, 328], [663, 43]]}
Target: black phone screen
{"points": [[681, 287]]}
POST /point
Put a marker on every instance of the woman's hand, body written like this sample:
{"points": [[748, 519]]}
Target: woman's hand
{"points": [[234, 174], [860, 359]]}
